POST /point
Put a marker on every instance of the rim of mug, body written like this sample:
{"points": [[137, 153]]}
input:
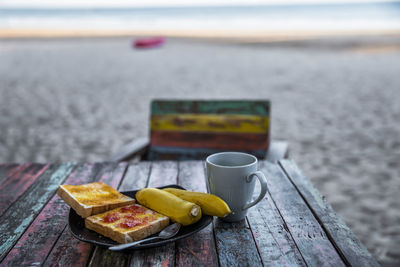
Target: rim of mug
{"points": [[231, 152]]}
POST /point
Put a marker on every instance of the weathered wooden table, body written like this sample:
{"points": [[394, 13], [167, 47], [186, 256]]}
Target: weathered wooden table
{"points": [[292, 226]]}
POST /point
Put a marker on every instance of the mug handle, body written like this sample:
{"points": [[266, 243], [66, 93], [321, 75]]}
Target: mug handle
{"points": [[264, 187]]}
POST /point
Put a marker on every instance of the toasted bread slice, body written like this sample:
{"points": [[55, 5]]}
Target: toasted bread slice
{"points": [[127, 224], [93, 198]]}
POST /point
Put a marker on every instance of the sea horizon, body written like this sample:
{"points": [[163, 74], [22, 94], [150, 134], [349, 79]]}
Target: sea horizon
{"points": [[314, 17]]}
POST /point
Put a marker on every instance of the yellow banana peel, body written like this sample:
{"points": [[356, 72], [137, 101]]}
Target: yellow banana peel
{"points": [[177, 209], [210, 204]]}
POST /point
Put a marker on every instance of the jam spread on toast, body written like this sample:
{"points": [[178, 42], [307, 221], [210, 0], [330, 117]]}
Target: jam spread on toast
{"points": [[128, 217], [111, 217], [133, 209]]}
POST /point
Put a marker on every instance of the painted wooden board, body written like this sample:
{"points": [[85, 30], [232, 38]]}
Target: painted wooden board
{"points": [[70, 251], [20, 180], [271, 234], [235, 244], [162, 173], [136, 177], [210, 123], [198, 249], [21, 213], [232, 141], [179, 153], [37, 241], [7, 169], [244, 107], [311, 240], [351, 249]]}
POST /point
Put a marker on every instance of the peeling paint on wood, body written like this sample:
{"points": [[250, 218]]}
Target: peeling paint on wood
{"points": [[305, 230], [20, 180], [244, 107], [104, 257], [21, 213], [246, 141], [273, 241], [235, 244], [208, 125], [163, 256], [7, 170], [198, 249], [346, 242], [37, 241], [68, 251]]}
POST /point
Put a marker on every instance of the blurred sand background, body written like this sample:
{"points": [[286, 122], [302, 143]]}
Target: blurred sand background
{"points": [[335, 100]]}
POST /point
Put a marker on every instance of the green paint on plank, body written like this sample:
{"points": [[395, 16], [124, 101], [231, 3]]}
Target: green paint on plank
{"points": [[21, 213], [235, 107]]}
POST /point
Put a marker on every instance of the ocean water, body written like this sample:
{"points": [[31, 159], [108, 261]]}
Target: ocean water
{"points": [[358, 16]]}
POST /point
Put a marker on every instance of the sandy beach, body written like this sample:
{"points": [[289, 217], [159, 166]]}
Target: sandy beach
{"points": [[335, 100]]}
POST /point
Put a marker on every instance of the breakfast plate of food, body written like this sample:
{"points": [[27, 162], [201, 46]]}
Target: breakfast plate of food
{"points": [[102, 216]]}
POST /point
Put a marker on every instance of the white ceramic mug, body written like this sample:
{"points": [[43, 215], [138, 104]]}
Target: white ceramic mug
{"points": [[230, 176]]}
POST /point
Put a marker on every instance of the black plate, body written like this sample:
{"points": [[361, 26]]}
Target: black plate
{"points": [[78, 229]]}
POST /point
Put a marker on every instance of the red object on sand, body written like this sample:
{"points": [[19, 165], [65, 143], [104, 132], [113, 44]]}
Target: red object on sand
{"points": [[148, 42]]}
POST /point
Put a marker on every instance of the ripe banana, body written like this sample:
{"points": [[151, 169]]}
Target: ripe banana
{"points": [[210, 204], [177, 209]]}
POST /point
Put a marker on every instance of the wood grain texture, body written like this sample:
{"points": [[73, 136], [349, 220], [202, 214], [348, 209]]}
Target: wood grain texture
{"points": [[214, 123], [244, 107], [68, 251], [6, 170], [311, 240], [198, 249], [351, 249], [273, 240], [232, 141], [235, 244], [37, 241], [162, 173], [136, 177], [22, 212], [16, 184]]}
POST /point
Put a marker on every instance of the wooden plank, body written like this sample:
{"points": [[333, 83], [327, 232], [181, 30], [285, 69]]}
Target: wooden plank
{"points": [[69, 251], [20, 180], [351, 249], [179, 153], [244, 107], [162, 173], [136, 177], [198, 249], [22, 212], [311, 240], [38, 240], [7, 169], [235, 244], [214, 123], [273, 240], [232, 141]]}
